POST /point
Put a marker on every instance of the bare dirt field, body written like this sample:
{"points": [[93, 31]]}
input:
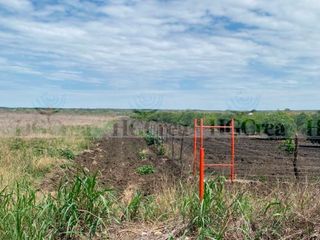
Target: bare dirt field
{"points": [[261, 158]]}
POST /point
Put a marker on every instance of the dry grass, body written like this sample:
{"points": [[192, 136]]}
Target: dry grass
{"points": [[31, 144], [34, 124], [239, 211]]}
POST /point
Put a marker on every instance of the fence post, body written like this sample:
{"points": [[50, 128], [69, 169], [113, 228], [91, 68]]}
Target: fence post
{"points": [[172, 145], [194, 146], [201, 163], [181, 144], [201, 132], [295, 159], [201, 175], [232, 151]]}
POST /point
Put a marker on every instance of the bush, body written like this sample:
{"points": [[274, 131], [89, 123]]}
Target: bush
{"points": [[313, 125], [302, 121], [279, 124]]}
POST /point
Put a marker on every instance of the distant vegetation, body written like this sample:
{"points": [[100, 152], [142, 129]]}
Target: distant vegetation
{"points": [[277, 123], [77, 111]]}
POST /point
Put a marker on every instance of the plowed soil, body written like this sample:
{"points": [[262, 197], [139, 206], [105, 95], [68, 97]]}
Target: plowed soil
{"points": [[261, 158], [115, 159]]}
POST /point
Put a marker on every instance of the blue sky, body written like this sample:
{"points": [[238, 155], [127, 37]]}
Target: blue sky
{"points": [[222, 54]]}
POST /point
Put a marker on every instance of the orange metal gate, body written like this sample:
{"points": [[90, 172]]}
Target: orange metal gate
{"points": [[202, 164]]}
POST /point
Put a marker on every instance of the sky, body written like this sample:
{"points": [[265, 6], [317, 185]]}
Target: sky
{"points": [[166, 54]]}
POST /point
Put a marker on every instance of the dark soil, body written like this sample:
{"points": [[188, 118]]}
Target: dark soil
{"points": [[257, 157], [116, 161], [262, 159]]}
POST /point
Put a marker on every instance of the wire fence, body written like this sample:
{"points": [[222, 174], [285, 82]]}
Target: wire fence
{"points": [[256, 157]]}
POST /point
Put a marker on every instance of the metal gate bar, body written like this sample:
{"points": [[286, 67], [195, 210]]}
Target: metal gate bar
{"points": [[202, 164]]}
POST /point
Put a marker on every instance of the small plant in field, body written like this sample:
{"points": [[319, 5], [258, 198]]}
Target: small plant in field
{"points": [[143, 154], [151, 139], [145, 170], [132, 209], [161, 151], [18, 131], [67, 153], [18, 144], [288, 145]]}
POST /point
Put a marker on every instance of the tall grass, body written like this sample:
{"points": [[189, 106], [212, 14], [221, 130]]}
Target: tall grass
{"points": [[78, 208], [81, 209], [239, 211]]}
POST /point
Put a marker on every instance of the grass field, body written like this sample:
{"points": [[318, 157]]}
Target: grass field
{"points": [[82, 208], [30, 144]]}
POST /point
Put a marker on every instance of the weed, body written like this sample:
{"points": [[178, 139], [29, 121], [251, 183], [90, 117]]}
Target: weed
{"points": [[67, 153], [18, 131], [143, 154], [288, 145], [18, 144], [145, 170], [132, 209], [151, 138], [161, 151]]}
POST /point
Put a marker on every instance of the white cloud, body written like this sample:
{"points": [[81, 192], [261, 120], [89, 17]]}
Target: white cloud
{"points": [[267, 45], [16, 5]]}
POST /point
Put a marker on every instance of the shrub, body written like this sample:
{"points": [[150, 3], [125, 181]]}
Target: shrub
{"points": [[302, 121], [279, 124]]}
